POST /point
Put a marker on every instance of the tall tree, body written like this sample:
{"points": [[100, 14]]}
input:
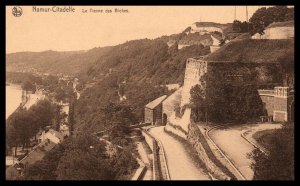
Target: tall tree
{"points": [[71, 120], [269, 15], [198, 103]]}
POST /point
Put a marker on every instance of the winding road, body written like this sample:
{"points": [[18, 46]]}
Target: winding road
{"points": [[236, 148], [180, 165]]}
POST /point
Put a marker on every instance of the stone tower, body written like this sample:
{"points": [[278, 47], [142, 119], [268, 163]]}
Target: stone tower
{"points": [[195, 69]]}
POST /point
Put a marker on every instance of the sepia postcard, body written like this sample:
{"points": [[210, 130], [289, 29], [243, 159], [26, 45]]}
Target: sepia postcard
{"points": [[149, 92]]}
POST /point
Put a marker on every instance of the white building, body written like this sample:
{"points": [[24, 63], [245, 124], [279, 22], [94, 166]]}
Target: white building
{"points": [[51, 135], [204, 27], [278, 30], [216, 44]]}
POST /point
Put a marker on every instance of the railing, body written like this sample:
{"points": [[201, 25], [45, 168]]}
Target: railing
{"points": [[266, 92]]}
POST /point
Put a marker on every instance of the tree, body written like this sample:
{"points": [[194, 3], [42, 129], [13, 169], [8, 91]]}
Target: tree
{"points": [[19, 129], [80, 165], [269, 15], [277, 166], [198, 103], [58, 117], [28, 86], [23, 124], [236, 26], [60, 94], [123, 164], [71, 120], [84, 158], [44, 112]]}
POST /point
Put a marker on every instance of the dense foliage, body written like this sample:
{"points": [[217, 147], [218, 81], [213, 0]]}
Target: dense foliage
{"points": [[24, 124], [145, 60], [265, 16], [22, 77], [242, 27], [135, 69], [82, 157], [219, 100], [279, 165]]}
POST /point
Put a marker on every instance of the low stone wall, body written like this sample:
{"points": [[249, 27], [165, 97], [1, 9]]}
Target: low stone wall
{"points": [[148, 138], [139, 125], [154, 147], [196, 138], [139, 172]]}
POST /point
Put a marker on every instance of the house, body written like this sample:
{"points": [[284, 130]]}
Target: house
{"points": [[153, 111], [277, 30], [51, 136]]}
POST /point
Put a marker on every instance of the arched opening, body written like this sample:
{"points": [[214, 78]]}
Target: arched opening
{"points": [[165, 119], [292, 111]]}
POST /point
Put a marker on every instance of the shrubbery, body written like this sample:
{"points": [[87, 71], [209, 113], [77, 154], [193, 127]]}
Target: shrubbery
{"points": [[82, 157], [279, 165]]}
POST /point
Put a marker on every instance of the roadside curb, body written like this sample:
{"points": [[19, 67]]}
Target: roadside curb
{"points": [[254, 144], [163, 153], [237, 172]]}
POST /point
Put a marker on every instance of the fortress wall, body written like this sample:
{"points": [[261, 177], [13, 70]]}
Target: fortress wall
{"points": [[276, 33], [280, 33], [194, 29], [195, 69], [170, 103]]}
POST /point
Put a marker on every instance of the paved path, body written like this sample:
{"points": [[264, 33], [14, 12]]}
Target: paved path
{"points": [[236, 147], [181, 167]]}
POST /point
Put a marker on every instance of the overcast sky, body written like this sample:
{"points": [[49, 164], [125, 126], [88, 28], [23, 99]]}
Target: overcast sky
{"points": [[39, 31]]}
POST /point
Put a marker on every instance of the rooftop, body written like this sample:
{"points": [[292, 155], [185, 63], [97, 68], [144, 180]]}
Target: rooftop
{"points": [[57, 134], [156, 102], [210, 24]]}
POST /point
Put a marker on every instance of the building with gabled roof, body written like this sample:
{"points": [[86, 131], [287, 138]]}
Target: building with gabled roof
{"points": [[51, 135], [153, 111]]}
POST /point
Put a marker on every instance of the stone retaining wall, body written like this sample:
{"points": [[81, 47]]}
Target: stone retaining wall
{"points": [[196, 138]]}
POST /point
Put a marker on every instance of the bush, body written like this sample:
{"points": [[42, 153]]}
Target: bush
{"points": [[279, 165]]}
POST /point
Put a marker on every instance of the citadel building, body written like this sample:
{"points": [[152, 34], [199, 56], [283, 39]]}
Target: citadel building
{"points": [[278, 102]]}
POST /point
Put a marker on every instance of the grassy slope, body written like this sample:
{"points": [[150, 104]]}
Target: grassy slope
{"points": [[264, 137], [258, 51]]}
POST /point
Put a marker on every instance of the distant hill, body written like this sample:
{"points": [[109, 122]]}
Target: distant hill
{"points": [[54, 62], [78, 62]]}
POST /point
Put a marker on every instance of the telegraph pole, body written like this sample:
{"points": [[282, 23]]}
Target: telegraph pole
{"points": [[246, 13], [234, 13], [247, 19]]}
